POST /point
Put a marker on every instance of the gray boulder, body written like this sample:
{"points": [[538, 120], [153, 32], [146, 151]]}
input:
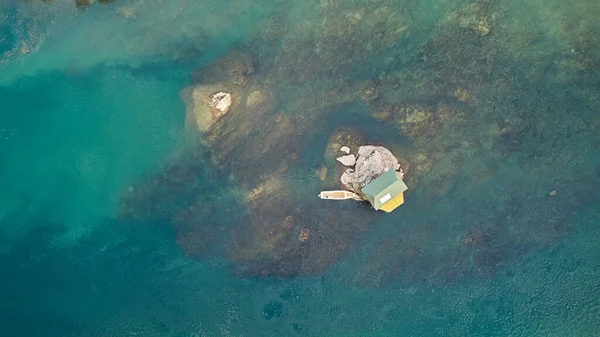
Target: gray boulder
{"points": [[371, 162], [347, 160]]}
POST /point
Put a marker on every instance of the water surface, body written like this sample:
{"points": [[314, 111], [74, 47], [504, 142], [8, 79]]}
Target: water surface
{"points": [[498, 237]]}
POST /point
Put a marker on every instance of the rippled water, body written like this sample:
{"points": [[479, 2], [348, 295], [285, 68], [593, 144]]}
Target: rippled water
{"points": [[115, 222]]}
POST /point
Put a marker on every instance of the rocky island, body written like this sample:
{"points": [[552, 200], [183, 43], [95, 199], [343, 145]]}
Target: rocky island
{"points": [[372, 176]]}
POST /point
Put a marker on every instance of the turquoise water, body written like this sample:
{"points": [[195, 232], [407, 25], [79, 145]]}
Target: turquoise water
{"points": [[116, 219]]}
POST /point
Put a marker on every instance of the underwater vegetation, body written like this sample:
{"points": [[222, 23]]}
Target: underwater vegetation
{"points": [[488, 142], [85, 3]]}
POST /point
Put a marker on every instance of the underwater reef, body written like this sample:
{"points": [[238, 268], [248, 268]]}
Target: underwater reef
{"points": [[464, 110]]}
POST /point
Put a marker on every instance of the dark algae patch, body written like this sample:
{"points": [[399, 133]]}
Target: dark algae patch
{"points": [[272, 310]]}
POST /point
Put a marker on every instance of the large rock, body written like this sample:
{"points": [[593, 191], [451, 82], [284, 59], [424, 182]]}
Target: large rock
{"points": [[347, 160], [372, 161]]}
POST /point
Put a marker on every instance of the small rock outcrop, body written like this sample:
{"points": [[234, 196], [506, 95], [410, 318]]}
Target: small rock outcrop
{"points": [[371, 162], [345, 149], [205, 104], [221, 102]]}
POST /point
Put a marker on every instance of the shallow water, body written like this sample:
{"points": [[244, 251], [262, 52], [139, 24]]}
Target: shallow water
{"points": [[498, 235]]}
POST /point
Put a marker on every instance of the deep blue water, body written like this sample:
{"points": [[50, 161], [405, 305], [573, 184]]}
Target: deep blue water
{"points": [[499, 238]]}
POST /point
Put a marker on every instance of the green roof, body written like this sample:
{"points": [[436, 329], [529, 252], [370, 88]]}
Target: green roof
{"points": [[384, 188]]}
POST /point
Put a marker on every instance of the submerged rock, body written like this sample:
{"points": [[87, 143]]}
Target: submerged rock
{"points": [[462, 94], [239, 67], [254, 99], [322, 173], [368, 91], [304, 235], [473, 17], [371, 163], [344, 138], [261, 99], [83, 3]]}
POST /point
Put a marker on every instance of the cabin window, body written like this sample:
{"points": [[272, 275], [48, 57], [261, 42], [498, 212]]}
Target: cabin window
{"points": [[385, 198]]}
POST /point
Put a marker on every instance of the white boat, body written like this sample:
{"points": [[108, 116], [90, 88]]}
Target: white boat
{"points": [[338, 195]]}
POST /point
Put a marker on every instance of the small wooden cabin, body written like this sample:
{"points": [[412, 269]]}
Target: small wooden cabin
{"points": [[386, 192]]}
